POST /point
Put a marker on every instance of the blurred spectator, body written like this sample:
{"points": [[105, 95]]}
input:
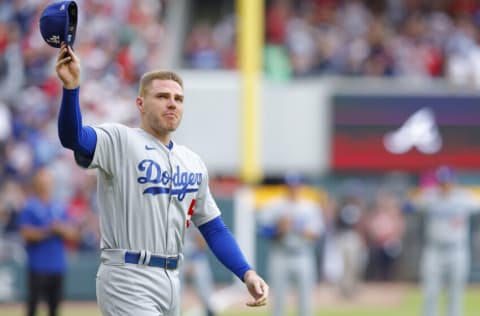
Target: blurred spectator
{"points": [[277, 13], [12, 199], [201, 50], [385, 227], [415, 54], [446, 253], [44, 226], [349, 237], [373, 55], [82, 214], [463, 53], [11, 249], [293, 225], [301, 44], [224, 37], [276, 60], [5, 126], [11, 62]]}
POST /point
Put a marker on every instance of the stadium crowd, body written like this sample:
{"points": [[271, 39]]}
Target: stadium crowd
{"points": [[415, 39], [118, 41]]}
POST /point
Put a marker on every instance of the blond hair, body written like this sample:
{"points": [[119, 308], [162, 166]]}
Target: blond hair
{"points": [[148, 77]]}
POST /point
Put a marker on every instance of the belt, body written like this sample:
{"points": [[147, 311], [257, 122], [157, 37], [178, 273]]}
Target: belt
{"points": [[145, 258]]}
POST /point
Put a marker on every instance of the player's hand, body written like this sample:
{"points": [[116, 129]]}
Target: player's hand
{"points": [[257, 288], [68, 67]]}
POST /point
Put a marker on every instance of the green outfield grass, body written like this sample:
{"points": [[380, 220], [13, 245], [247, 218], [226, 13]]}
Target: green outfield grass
{"points": [[410, 306]]}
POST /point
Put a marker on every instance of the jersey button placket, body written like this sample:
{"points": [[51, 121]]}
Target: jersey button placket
{"points": [[169, 247]]}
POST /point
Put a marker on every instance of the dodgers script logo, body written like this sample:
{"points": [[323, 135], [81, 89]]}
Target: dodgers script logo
{"points": [[181, 182]]}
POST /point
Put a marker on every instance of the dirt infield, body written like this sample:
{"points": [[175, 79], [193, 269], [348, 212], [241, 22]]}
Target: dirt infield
{"points": [[379, 294], [371, 294]]}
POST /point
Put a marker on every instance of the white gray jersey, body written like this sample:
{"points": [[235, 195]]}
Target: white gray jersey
{"points": [[148, 194], [447, 215], [305, 216]]}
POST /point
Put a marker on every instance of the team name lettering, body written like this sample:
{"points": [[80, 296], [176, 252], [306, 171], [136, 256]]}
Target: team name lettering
{"points": [[182, 182]]}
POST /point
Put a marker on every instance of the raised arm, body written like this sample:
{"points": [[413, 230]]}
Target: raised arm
{"points": [[81, 139]]}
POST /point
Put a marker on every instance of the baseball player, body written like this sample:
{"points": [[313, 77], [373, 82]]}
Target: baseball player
{"points": [[349, 221], [293, 224], [150, 191], [446, 254]]}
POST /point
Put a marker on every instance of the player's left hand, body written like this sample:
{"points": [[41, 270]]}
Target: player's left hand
{"points": [[257, 287], [68, 67]]}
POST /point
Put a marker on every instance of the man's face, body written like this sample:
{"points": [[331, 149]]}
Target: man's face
{"points": [[161, 106]]}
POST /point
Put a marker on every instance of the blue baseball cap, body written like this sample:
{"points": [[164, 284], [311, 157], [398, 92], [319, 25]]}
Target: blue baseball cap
{"points": [[58, 23]]}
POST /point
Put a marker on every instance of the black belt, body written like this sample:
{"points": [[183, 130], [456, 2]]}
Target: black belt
{"points": [[169, 263]]}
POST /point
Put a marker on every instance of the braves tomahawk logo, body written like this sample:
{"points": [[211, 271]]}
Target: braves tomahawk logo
{"points": [[177, 183], [419, 131]]}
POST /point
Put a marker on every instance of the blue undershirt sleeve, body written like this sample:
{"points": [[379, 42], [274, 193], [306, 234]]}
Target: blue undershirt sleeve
{"points": [[81, 139], [224, 246]]}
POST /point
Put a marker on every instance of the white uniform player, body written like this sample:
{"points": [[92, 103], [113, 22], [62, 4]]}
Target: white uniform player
{"points": [[446, 254], [147, 198], [150, 190], [293, 224]]}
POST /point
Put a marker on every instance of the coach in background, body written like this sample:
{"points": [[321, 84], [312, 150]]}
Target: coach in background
{"points": [[44, 226], [446, 251], [349, 238], [293, 225]]}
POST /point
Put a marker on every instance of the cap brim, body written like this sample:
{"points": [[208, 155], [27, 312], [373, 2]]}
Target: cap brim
{"points": [[71, 23]]}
